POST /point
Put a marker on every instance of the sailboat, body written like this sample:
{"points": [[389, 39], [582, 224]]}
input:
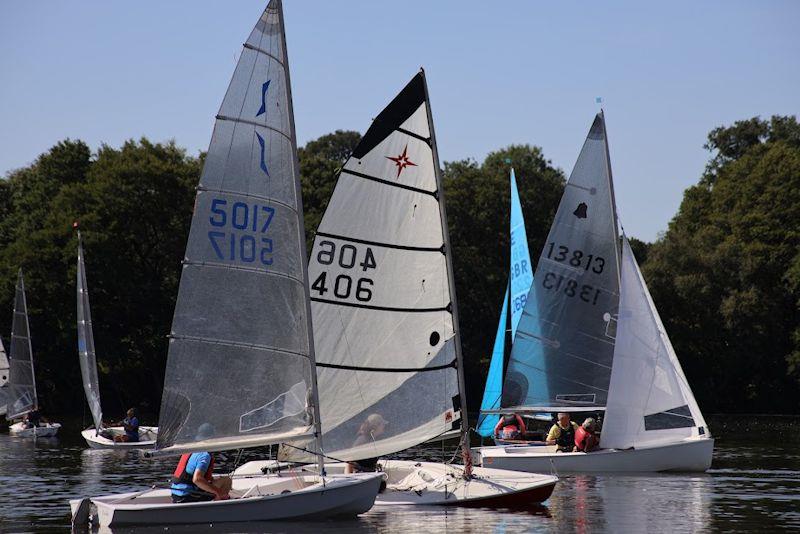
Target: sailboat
{"points": [[21, 397], [99, 437], [3, 378], [591, 331], [514, 298], [385, 316], [240, 368]]}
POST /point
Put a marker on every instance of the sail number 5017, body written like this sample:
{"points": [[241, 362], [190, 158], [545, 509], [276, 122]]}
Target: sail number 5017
{"points": [[245, 227], [347, 257]]}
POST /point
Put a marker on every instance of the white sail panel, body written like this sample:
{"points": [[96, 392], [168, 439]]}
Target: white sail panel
{"points": [[86, 350], [566, 334], [22, 381], [3, 365], [240, 352], [381, 303], [650, 400]]}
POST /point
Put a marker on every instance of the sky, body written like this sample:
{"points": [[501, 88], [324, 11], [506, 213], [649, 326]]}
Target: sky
{"points": [[498, 73]]}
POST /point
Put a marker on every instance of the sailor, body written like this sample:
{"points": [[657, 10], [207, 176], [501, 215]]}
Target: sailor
{"points": [[193, 479], [510, 426], [131, 426], [33, 418], [373, 427], [586, 439], [562, 434]]}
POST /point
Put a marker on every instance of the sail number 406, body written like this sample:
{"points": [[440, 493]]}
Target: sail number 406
{"points": [[347, 257], [246, 226]]}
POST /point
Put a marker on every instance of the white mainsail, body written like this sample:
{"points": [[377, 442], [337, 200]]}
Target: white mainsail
{"points": [[381, 292], [240, 369], [3, 378], [86, 352], [649, 400], [565, 337], [22, 381]]}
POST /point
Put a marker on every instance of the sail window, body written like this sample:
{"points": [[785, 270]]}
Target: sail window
{"points": [[680, 417], [434, 340]]}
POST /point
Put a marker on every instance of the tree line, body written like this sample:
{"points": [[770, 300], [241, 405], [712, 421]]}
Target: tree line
{"points": [[725, 275]]}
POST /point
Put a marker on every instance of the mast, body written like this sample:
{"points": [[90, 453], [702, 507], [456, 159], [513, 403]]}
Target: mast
{"points": [[304, 253], [451, 285]]}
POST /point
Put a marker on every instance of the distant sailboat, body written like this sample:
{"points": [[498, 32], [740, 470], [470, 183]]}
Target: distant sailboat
{"points": [[3, 378], [604, 347], [384, 310], [98, 437], [240, 369], [22, 398]]}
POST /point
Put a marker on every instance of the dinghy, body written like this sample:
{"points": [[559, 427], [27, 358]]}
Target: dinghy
{"points": [[384, 310], [591, 332], [3, 378], [240, 368], [99, 437], [21, 397]]}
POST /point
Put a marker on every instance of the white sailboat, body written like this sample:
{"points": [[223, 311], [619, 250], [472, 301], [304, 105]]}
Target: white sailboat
{"points": [[101, 436], [390, 370], [21, 397], [240, 369], [3, 378], [590, 323]]}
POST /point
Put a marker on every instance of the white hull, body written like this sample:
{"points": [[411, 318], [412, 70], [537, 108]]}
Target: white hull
{"points": [[689, 455], [147, 438], [44, 430], [263, 498], [410, 483]]}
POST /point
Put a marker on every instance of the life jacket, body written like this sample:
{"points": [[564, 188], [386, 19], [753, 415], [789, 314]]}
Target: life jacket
{"points": [[510, 423], [567, 438], [585, 441], [180, 476]]}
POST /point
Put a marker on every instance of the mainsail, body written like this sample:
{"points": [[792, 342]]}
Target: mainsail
{"points": [[22, 382], [565, 337], [240, 369], [86, 353], [381, 292], [650, 400]]}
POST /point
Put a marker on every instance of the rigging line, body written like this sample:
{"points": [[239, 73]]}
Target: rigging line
{"points": [[379, 244], [380, 308], [349, 353], [434, 194], [227, 343], [388, 369]]}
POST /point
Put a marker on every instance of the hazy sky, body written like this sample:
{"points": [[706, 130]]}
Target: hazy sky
{"points": [[499, 73]]}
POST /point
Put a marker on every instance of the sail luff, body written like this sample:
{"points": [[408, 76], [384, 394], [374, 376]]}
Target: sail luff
{"points": [[617, 248], [304, 253], [86, 348], [462, 389]]}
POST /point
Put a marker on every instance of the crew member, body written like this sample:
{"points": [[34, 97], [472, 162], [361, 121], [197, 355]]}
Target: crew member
{"points": [[562, 434]]}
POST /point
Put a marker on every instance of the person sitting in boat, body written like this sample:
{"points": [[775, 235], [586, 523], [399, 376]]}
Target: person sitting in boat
{"points": [[371, 429], [586, 439], [131, 426], [562, 434], [193, 479], [33, 418], [510, 426]]}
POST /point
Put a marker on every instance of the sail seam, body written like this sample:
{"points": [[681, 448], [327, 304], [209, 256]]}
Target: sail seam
{"points": [[380, 308], [389, 369], [253, 123], [434, 194], [200, 188], [261, 50], [426, 140], [236, 344], [378, 244], [241, 268]]}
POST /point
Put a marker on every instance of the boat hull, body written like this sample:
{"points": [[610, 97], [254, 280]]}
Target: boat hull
{"points": [[689, 455], [44, 430], [262, 498], [410, 483], [99, 442]]}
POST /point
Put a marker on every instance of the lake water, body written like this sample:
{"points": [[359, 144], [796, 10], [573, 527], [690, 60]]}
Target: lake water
{"points": [[754, 484]]}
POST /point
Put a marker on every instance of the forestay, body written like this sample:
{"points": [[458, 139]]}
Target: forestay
{"points": [[240, 365], [22, 383], [650, 400], [86, 353], [380, 293], [565, 337]]}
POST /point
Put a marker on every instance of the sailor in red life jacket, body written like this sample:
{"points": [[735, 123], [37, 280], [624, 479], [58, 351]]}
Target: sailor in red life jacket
{"points": [[510, 426], [586, 439], [193, 480]]}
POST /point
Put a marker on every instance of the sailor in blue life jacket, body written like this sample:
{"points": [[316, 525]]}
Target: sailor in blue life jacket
{"points": [[193, 479], [510, 426], [131, 426]]}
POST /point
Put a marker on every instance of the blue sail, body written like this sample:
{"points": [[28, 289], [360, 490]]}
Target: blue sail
{"points": [[521, 268], [494, 380]]}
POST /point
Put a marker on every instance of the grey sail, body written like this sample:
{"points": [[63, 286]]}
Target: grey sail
{"points": [[566, 334], [381, 295], [240, 369], [3, 378], [86, 352], [22, 382]]}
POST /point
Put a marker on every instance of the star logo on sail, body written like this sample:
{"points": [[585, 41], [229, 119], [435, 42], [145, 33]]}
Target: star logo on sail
{"points": [[402, 161]]}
